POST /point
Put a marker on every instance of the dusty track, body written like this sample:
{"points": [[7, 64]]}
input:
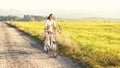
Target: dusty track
{"points": [[18, 50]]}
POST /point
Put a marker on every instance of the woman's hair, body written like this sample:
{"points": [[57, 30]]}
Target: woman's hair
{"points": [[49, 16]]}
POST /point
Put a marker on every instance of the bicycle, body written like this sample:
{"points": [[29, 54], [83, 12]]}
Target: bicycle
{"points": [[53, 47]]}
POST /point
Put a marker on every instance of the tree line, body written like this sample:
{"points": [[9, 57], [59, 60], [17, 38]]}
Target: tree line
{"points": [[24, 18]]}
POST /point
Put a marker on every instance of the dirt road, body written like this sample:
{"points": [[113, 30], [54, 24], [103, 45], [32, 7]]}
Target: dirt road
{"points": [[18, 50]]}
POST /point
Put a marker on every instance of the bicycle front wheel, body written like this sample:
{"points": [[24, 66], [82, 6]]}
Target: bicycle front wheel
{"points": [[55, 49]]}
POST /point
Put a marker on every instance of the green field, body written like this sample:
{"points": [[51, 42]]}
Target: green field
{"points": [[95, 45]]}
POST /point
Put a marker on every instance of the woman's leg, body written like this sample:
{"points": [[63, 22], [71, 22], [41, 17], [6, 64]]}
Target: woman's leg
{"points": [[46, 41], [52, 36]]}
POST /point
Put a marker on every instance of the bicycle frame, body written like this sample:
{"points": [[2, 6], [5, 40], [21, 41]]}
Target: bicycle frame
{"points": [[53, 45]]}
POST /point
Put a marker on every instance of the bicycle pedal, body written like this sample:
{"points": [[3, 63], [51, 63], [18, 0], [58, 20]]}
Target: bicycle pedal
{"points": [[50, 49], [54, 42]]}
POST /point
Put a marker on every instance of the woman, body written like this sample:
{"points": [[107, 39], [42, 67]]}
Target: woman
{"points": [[50, 23]]}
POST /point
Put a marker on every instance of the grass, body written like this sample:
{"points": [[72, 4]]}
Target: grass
{"points": [[94, 45]]}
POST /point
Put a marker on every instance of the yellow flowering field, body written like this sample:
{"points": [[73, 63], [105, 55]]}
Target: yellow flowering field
{"points": [[93, 44]]}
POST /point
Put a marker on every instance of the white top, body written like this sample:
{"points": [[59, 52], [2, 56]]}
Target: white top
{"points": [[49, 24]]}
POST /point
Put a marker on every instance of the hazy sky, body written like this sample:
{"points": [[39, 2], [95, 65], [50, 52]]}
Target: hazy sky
{"points": [[87, 7], [61, 4]]}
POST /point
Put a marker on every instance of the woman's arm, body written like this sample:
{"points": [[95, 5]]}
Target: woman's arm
{"points": [[54, 24], [55, 27]]}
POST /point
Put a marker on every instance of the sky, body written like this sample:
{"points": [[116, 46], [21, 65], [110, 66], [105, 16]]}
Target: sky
{"points": [[105, 8]]}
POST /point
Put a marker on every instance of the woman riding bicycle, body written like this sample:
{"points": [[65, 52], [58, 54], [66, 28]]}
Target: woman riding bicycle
{"points": [[48, 30]]}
